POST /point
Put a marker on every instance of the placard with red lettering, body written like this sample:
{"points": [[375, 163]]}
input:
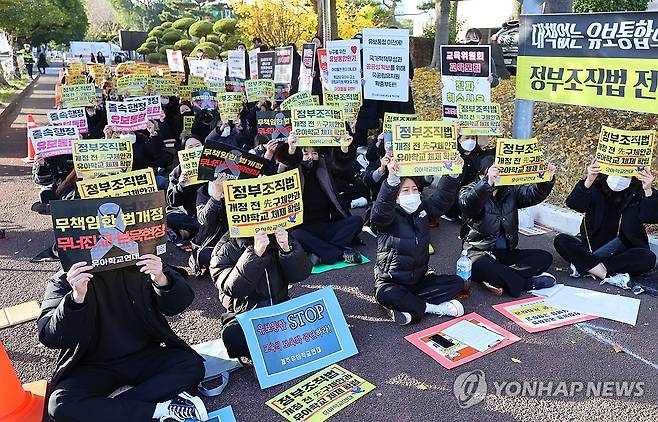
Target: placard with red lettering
{"points": [[218, 158], [127, 116], [344, 65], [69, 117], [49, 141]]}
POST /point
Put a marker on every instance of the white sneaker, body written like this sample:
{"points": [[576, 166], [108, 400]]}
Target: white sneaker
{"points": [[359, 202], [620, 280], [452, 308], [185, 406], [574, 272], [400, 318]]}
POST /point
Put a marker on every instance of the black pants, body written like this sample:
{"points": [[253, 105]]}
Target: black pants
{"points": [[233, 337], [179, 220], [28, 67], [634, 261], [157, 374], [510, 269], [433, 289], [328, 240]]}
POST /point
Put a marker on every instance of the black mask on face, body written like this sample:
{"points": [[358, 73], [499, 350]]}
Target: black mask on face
{"points": [[309, 165], [472, 42]]}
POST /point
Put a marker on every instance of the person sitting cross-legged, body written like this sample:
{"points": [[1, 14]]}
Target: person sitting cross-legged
{"points": [[111, 330], [402, 281]]}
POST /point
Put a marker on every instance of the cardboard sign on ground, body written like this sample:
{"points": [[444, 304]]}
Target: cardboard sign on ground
{"points": [[17, 314], [534, 315]]}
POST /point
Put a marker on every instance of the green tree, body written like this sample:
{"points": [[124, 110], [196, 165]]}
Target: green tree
{"points": [[584, 6], [40, 21], [138, 14], [198, 9]]}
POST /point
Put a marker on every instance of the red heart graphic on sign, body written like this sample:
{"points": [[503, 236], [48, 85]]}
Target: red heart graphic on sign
{"points": [[354, 49]]}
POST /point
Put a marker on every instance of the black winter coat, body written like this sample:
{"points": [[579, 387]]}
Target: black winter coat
{"points": [[73, 331], [246, 281], [403, 239], [630, 215], [211, 215], [179, 196], [487, 215]]}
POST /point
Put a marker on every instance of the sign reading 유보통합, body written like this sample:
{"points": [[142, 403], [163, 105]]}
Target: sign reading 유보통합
{"points": [[69, 117], [605, 60], [49, 141], [127, 116], [343, 65]]}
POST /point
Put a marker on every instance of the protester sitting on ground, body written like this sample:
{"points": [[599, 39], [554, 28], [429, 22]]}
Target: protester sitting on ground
{"points": [[178, 121], [96, 122], [110, 329], [328, 228], [211, 214], [346, 173], [471, 150], [491, 232], [403, 284], [612, 245], [252, 274], [182, 223]]}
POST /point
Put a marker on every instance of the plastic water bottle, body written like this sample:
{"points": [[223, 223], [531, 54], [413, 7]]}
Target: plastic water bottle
{"points": [[464, 265]]}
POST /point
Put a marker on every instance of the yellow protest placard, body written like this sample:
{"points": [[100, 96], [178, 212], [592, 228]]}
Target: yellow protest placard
{"points": [[123, 184], [230, 104], [479, 119], [189, 163], [75, 68], [316, 99], [188, 122], [102, 157], [185, 92], [133, 85], [259, 90], [391, 118], [83, 95], [318, 126], [216, 86], [299, 100], [520, 162], [263, 203], [426, 148], [320, 396], [348, 101], [625, 152], [76, 79], [166, 87], [197, 83], [96, 69]]}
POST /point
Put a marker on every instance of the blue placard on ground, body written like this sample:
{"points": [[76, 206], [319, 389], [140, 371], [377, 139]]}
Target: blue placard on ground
{"points": [[225, 414], [297, 337]]}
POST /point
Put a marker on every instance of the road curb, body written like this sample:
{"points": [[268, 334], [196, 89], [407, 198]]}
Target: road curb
{"points": [[17, 98], [564, 220]]}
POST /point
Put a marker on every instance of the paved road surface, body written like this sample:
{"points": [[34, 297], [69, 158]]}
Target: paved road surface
{"points": [[410, 385]]}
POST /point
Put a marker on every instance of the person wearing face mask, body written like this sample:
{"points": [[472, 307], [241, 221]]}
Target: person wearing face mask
{"points": [[213, 223], [229, 132], [403, 284], [177, 124], [181, 201], [612, 245], [205, 122], [474, 37], [96, 122], [471, 150], [254, 273], [491, 232], [328, 228]]}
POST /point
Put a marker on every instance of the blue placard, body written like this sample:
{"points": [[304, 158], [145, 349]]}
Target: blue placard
{"points": [[225, 414], [297, 337]]}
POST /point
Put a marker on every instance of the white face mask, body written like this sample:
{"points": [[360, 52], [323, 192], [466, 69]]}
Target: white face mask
{"points": [[130, 136], [468, 144], [164, 101], [410, 202], [226, 132], [211, 188], [618, 183]]}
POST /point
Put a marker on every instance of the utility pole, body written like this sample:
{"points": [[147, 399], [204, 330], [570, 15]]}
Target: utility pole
{"points": [[524, 110], [327, 20]]}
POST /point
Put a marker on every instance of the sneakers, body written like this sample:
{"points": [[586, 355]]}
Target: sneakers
{"points": [[352, 257], [619, 280], [574, 272], [315, 260], [452, 308], [448, 218], [185, 406], [359, 203], [399, 317], [541, 281]]}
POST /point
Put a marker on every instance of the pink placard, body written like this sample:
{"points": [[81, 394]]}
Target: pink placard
{"points": [[534, 316], [459, 353]]}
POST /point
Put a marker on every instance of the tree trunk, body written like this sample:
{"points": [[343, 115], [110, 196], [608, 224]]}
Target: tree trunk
{"points": [[442, 30], [558, 6]]}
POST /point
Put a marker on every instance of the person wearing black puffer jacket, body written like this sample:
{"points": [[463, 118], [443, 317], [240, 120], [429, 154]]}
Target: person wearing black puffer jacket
{"points": [[328, 228], [612, 245], [252, 274], [491, 232], [402, 282]]}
